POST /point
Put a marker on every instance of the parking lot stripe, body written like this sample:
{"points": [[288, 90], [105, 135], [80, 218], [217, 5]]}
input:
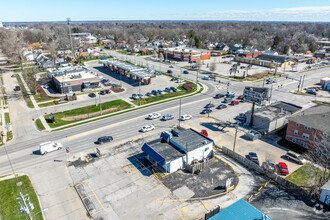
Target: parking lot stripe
{"points": [[182, 216], [183, 208], [204, 205], [154, 189], [124, 157], [136, 179], [97, 200], [148, 182]]}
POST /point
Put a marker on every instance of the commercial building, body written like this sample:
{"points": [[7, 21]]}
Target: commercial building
{"points": [[172, 150], [268, 60], [73, 80], [310, 127], [128, 70], [185, 54], [247, 53], [272, 117], [84, 38]]}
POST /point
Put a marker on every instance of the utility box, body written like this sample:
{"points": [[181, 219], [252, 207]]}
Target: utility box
{"points": [[71, 96]]}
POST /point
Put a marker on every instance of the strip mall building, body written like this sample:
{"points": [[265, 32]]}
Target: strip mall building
{"points": [[185, 54]]}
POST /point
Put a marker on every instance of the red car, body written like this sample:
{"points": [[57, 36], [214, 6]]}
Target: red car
{"points": [[107, 91], [283, 168], [204, 132], [240, 97], [235, 102]]}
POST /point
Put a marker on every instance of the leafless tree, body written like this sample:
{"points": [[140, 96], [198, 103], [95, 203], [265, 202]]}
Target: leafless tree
{"points": [[213, 67]]}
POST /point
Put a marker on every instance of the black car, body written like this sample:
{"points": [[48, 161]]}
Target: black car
{"points": [[185, 72], [154, 92], [149, 94], [173, 79], [254, 158], [102, 92], [220, 95], [92, 95], [210, 105], [173, 89], [167, 117], [168, 90], [221, 106], [206, 111], [169, 71], [104, 139]]}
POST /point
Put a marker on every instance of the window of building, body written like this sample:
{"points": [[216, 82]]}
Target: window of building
{"points": [[303, 144], [325, 134], [305, 136], [307, 128], [293, 140], [325, 143], [297, 124], [295, 132]]}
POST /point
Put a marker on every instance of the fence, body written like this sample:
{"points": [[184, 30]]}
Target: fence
{"points": [[292, 188]]}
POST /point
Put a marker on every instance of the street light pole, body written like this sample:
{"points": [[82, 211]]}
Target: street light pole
{"points": [[100, 103], [140, 90], [180, 114], [236, 126]]}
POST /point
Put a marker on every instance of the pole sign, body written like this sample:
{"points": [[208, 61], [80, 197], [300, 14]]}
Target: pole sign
{"points": [[67, 150], [255, 94]]}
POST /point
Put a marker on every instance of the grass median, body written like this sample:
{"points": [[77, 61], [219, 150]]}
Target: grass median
{"points": [[39, 125], [7, 118], [25, 94], [9, 204], [46, 104], [78, 114]]}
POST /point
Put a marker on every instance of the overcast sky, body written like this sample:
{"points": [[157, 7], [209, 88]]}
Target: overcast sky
{"points": [[89, 10]]}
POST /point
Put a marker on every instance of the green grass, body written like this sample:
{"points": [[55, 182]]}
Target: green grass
{"points": [[7, 118], [217, 147], [9, 207], [305, 175], [39, 124], [9, 135], [41, 99], [322, 103], [123, 51], [25, 94], [85, 110], [42, 105], [302, 93]]}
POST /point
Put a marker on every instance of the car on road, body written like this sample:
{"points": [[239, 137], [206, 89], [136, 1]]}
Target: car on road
{"points": [[154, 115], [154, 92], [169, 71], [234, 102], [160, 91], [270, 81], [168, 90], [185, 72], [210, 105], [240, 97], [227, 99], [283, 168], [170, 66], [219, 95], [295, 157], [49, 146], [13, 75], [149, 94], [253, 157], [206, 111], [147, 128], [206, 78], [204, 132], [104, 139], [222, 106], [179, 80], [107, 91], [230, 94], [270, 166], [168, 117], [185, 117], [92, 95], [212, 76], [173, 89], [102, 92], [312, 92]]}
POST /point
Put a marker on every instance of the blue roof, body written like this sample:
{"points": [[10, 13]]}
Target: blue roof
{"points": [[238, 211]]}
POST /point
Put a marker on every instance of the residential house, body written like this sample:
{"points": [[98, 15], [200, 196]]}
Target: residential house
{"points": [[234, 47], [222, 47]]}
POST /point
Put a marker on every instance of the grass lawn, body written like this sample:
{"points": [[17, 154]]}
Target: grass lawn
{"points": [[85, 110], [9, 206], [7, 118], [9, 135], [302, 93], [322, 103], [46, 104], [25, 94], [123, 51], [305, 175], [41, 99], [39, 124]]}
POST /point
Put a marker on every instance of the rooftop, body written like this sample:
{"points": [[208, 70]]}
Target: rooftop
{"points": [[166, 150], [277, 110], [274, 58], [190, 138], [65, 75], [185, 50]]}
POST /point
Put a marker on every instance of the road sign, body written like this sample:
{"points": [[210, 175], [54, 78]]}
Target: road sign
{"points": [[67, 150], [255, 94]]}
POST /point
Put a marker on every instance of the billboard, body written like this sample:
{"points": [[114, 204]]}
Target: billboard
{"points": [[256, 94]]}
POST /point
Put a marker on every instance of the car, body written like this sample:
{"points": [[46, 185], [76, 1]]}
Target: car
{"points": [[241, 117], [169, 71], [270, 81], [283, 168], [140, 96], [107, 83], [49, 146], [116, 85], [212, 76], [250, 65], [204, 132], [104, 139], [17, 88], [222, 106], [104, 80], [206, 111], [179, 80], [92, 95], [210, 105], [219, 95], [227, 99], [154, 92], [185, 117], [160, 91], [107, 91], [173, 89], [242, 67], [312, 92], [13, 75], [254, 158], [135, 96], [154, 115], [295, 157], [240, 97], [170, 66], [168, 117], [270, 166], [173, 79], [102, 92], [230, 94], [206, 78], [234, 102], [157, 74], [149, 94], [185, 72], [230, 62], [147, 128], [168, 90]]}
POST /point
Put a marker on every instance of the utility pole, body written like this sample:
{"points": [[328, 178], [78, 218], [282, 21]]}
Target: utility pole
{"points": [[271, 91], [180, 113], [68, 20], [252, 114], [263, 84], [140, 90], [95, 101], [299, 84], [302, 84], [100, 103], [236, 127], [228, 84]]}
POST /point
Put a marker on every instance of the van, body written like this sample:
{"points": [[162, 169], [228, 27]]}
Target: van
{"points": [[295, 157], [49, 147]]}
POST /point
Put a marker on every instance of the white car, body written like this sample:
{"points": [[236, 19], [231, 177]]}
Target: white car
{"points": [[49, 147], [179, 80], [147, 128], [154, 116], [185, 117]]}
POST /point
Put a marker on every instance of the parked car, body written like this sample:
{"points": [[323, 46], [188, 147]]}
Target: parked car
{"points": [[241, 117], [185, 117], [169, 71], [107, 91], [212, 76], [226, 100], [116, 85], [254, 158], [179, 80], [154, 116], [204, 132], [160, 91], [147, 128], [104, 139], [205, 78], [312, 92], [221, 106], [168, 90], [185, 72], [154, 92], [230, 94], [92, 95], [240, 97], [173, 79], [171, 66], [219, 95], [104, 80], [283, 168], [270, 166], [234, 102], [295, 157], [168, 117], [49, 146], [107, 83], [210, 105], [173, 89], [17, 88], [102, 92], [242, 67], [140, 96], [13, 75], [149, 94], [270, 81], [206, 111]]}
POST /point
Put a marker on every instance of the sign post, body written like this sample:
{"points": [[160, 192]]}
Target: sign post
{"points": [[67, 150]]}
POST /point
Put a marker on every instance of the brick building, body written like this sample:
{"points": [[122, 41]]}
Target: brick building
{"points": [[310, 127], [185, 54]]}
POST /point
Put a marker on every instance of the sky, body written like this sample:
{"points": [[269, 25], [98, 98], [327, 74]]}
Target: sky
{"points": [[92, 10]]}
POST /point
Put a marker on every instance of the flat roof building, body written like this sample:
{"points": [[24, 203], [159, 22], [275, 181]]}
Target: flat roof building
{"points": [[185, 54], [172, 150]]}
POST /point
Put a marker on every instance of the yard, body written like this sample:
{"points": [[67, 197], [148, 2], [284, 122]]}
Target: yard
{"points": [[9, 204]]}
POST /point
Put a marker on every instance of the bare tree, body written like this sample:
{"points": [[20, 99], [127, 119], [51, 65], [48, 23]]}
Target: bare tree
{"points": [[154, 54], [213, 67], [199, 64], [161, 57]]}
